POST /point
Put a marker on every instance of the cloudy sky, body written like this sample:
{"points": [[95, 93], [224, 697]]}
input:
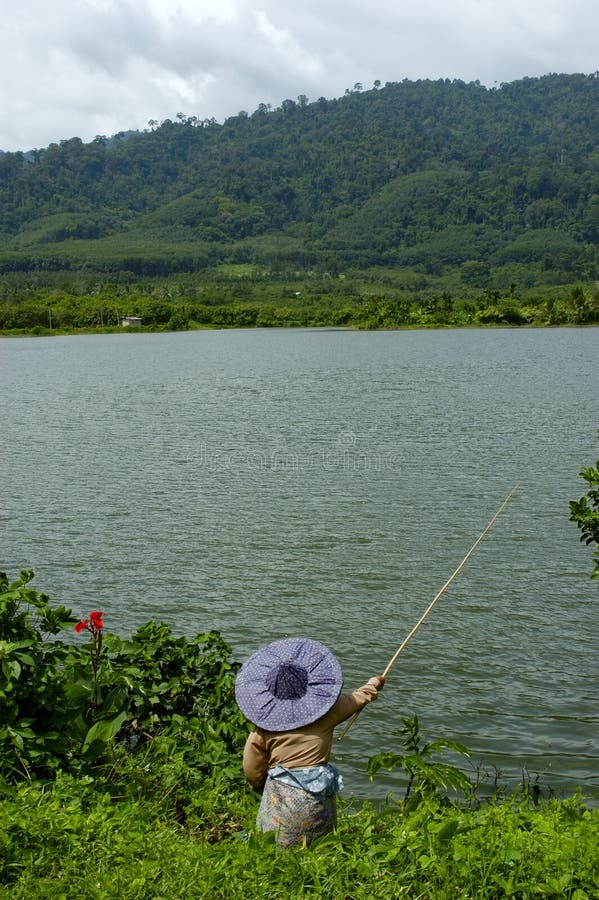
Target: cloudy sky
{"points": [[87, 67]]}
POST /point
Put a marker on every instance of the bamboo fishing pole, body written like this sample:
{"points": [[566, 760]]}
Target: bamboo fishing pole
{"points": [[434, 600]]}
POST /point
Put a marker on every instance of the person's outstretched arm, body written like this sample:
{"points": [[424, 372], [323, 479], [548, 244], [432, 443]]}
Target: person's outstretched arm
{"points": [[348, 704]]}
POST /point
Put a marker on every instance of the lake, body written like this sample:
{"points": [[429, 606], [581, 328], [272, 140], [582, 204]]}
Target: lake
{"points": [[326, 483]]}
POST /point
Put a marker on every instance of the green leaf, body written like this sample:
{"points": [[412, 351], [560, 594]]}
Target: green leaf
{"points": [[26, 658], [448, 830], [103, 731]]}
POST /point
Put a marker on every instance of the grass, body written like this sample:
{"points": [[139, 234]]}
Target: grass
{"points": [[72, 840]]}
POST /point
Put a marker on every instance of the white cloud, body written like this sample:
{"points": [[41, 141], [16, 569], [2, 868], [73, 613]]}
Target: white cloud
{"points": [[86, 67]]}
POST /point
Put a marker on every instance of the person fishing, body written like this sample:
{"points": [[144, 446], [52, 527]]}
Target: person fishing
{"points": [[290, 691]]}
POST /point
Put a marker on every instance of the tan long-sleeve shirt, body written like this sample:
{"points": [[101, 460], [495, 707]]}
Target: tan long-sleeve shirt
{"points": [[307, 746]]}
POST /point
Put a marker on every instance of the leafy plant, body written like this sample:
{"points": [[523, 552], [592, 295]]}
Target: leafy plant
{"points": [[168, 679], [425, 775], [36, 706], [585, 512], [110, 704]]}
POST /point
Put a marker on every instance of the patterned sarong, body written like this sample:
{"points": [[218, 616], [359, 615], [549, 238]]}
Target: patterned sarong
{"points": [[299, 804]]}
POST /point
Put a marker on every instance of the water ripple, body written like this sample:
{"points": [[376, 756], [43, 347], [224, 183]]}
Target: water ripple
{"points": [[285, 482]]}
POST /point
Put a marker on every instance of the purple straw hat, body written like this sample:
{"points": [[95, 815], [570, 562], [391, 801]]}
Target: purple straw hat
{"points": [[288, 684]]}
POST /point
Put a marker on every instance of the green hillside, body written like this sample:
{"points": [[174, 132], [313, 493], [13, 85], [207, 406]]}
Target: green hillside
{"points": [[430, 186]]}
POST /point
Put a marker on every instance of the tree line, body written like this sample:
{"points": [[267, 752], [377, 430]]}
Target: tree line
{"points": [[267, 302], [444, 180]]}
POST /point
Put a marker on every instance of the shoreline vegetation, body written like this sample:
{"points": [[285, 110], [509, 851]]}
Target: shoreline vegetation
{"points": [[246, 299], [120, 777]]}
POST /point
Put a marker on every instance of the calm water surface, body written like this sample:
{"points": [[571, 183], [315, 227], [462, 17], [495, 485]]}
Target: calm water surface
{"points": [[282, 482]]}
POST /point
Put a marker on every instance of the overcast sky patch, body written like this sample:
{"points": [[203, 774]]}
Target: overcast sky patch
{"points": [[87, 67]]}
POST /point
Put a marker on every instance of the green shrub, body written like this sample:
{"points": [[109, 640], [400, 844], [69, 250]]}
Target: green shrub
{"points": [[86, 708], [585, 512], [37, 708]]}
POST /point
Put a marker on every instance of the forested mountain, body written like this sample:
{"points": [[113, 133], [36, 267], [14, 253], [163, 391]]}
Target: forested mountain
{"points": [[494, 185]]}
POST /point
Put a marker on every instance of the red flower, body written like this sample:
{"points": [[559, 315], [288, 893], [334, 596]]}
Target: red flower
{"points": [[96, 619], [94, 623]]}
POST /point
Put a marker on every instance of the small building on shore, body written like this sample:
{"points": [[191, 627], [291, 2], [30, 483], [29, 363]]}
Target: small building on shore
{"points": [[130, 321]]}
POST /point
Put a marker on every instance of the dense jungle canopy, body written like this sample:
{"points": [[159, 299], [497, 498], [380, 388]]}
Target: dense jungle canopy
{"points": [[441, 183]]}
